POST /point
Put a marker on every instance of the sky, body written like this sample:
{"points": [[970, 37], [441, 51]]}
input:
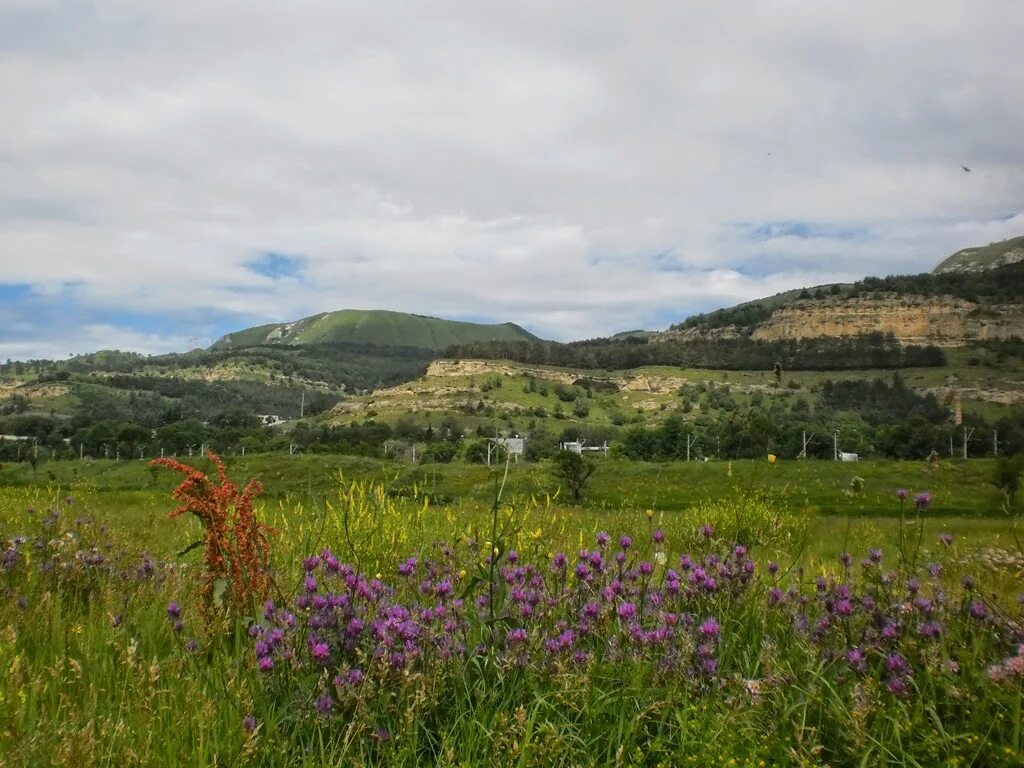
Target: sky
{"points": [[170, 172]]}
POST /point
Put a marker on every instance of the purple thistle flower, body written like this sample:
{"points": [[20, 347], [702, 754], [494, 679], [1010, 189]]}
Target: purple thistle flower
{"points": [[178, 627], [320, 651], [658, 536], [968, 584], [902, 493], [710, 666], [707, 531], [847, 559], [311, 563], [875, 555], [978, 610], [265, 663], [897, 687], [603, 539], [558, 562], [192, 645], [625, 542], [249, 724], [311, 584], [946, 538], [173, 610], [844, 607], [773, 567], [627, 610], [324, 705], [895, 664], [923, 500], [709, 628]]}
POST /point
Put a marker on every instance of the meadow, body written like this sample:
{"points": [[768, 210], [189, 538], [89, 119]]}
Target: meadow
{"points": [[749, 614]]}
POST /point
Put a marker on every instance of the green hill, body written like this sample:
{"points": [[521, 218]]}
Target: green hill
{"points": [[983, 257], [377, 327]]}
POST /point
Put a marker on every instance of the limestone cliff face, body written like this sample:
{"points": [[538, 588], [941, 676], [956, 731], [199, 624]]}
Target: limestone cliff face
{"points": [[942, 321]]}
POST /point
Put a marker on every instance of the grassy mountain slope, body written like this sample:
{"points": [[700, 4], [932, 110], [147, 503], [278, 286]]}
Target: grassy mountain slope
{"points": [[983, 257], [378, 327]]}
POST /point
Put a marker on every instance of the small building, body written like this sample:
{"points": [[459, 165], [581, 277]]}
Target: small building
{"points": [[844, 456]]}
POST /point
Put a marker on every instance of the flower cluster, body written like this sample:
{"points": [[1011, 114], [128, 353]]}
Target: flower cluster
{"points": [[607, 605]]}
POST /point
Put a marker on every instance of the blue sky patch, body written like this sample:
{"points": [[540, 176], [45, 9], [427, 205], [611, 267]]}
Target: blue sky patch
{"points": [[278, 266], [771, 230]]}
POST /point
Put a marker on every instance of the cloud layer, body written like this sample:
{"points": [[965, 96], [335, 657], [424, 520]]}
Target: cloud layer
{"points": [[185, 169]]}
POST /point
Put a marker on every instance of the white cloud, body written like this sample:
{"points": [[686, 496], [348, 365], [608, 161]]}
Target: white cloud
{"points": [[522, 162]]}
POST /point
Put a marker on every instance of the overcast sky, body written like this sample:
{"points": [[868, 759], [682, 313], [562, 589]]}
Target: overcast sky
{"points": [[170, 171]]}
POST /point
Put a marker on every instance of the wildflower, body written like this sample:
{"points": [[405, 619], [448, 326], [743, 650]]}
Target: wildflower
{"points": [[625, 542], [265, 663], [381, 735], [968, 583], [922, 501], [324, 705], [627, 610], [603, 539], [875, 555], [311, 585], [946, 538], [710, 666], [516, 636], [178, 626], [897, 687], [978, 610], [773, 567], [192, 645], [311, 563], [707, 531], [268, 610], [709, 628], [320, 651], [897, 665], [901, 494], [658, 536], [844, 607], [173, 610]]}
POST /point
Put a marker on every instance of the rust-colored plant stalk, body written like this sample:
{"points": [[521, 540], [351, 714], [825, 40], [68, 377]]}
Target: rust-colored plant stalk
{"points": [[236, 548]]}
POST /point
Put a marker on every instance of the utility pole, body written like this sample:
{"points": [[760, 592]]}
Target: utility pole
{"points": [[835, 445], [690, 442], [302, 406], [995, 442], [81, 451], [967, 436], [806, 441], [951, 444]]}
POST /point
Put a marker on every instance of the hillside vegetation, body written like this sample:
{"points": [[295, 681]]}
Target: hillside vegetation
{"points": [[377, 327]]}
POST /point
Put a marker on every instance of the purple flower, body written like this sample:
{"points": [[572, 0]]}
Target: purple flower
{"points": [[846, 558], [895, 664], [658, 536], [265, 663], [603, 539], [902, 493], [324, 705], [978, 610], [516, 636], [710, 666], [946, 538], [311, 563], [311, 584], [707, 531], [923, 500], [844, 607], [773, 567], [178, 627], [627, 610], [320, 651], [192, 645], [173, 610], [249, 724], [625, 542], [709, 628], [897, 687]]}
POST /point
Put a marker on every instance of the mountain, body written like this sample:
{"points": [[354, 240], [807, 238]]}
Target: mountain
{"points": [[983, 257], [376, 327]]}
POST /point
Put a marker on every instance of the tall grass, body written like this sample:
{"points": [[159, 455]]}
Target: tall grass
{"points": [[94, 671]]}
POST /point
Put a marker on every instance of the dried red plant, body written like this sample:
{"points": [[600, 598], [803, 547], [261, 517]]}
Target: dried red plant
{"points": [[236, 548]]}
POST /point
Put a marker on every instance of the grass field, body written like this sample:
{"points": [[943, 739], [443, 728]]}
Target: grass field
{"points": [[765, 649]]}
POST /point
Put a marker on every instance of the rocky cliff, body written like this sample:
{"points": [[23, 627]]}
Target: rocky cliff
{"points": [[943, 321]]}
